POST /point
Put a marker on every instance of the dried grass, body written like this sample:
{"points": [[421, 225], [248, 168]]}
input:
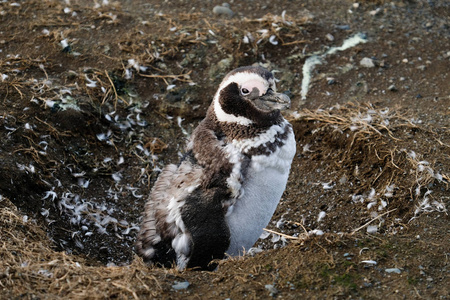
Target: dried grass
{"points": [[366, 143], [30, 268]]}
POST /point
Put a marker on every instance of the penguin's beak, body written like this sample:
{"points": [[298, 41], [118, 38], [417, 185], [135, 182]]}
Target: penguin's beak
{"points": [[272, 100]]}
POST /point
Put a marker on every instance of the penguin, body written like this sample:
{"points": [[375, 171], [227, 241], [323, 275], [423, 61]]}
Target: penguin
{"points": [[225, 189]]}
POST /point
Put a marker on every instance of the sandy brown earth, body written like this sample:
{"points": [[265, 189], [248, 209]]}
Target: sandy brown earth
{"points": [[97, 96]]}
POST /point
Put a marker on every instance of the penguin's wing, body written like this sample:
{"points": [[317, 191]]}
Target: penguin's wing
{"points": [[210, 152], [203, 214], [163, 237]]}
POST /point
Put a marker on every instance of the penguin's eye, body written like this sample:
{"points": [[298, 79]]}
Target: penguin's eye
{"points": [[245, 91]]}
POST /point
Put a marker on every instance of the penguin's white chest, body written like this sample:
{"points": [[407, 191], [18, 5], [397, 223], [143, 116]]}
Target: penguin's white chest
{"points": [[262, 190]]}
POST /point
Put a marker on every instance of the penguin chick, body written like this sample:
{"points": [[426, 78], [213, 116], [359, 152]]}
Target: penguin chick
{"points": [[225, 189]]}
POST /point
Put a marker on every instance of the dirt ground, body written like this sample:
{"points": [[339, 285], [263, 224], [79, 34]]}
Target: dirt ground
{"points": [[97, 96]]}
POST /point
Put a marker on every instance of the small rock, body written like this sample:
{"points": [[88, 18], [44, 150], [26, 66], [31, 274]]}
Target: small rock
{"points": [[225, 63], [375, 12], [355, 5], [405, 60], [175, 95], [223, 10], [180, 285], [329, 37], [343, 27], [392, 88], [162, 65], [367, 62], [422, 67], [221, 67], [393, 270], [391, 43]]}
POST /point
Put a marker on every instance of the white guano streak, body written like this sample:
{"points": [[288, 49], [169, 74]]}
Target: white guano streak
{"points": [[314, 60]]}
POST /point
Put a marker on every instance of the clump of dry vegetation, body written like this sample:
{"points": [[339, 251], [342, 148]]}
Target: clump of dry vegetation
{"points": [[370, 147], [98, 98]]}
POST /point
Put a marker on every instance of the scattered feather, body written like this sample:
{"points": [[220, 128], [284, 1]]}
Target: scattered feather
{"points": [[273, 40], [317, 232], [372, 229], [370, 262], [322, 215], [117, 177]]}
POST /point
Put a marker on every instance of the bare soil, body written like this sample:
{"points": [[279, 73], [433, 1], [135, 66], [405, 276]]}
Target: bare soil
{"points": [[96, 97]]}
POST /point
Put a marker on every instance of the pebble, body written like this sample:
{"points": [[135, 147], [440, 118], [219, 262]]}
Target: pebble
{"points": [[329, 37], [393, 270], [375, 12], [223, 10], [180, 285], [367, 62], [392, 88], [391, 43], [343, 27], [225, 63], [422, 67]]}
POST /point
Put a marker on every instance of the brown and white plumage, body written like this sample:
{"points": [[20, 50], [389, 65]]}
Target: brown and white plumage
{"points": [[227, 186]]}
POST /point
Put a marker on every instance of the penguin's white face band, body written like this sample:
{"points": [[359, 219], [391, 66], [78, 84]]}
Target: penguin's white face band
{"points": [[248, 81], [253, 88]]}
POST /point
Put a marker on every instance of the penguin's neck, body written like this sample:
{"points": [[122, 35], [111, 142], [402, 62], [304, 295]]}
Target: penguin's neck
{"points": [[235, 131]]}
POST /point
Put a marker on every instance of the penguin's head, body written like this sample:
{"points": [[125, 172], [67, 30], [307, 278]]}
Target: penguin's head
{"points": [[247, 95]]}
